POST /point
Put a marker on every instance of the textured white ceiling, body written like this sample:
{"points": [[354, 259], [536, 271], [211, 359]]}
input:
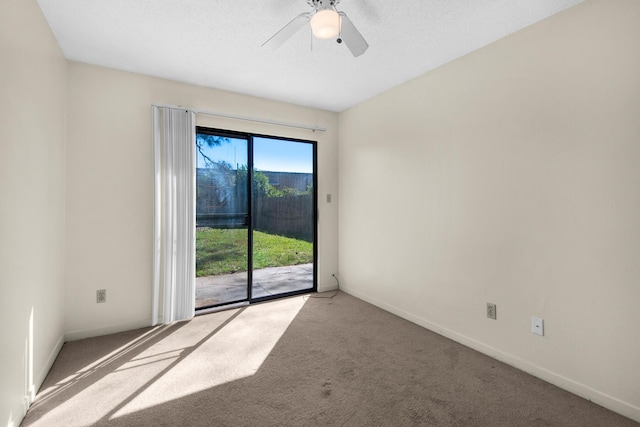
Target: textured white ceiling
{"points": [[217, 43]]}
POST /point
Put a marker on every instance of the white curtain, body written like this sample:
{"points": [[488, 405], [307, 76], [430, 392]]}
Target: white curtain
{"points": [[174, 218]]}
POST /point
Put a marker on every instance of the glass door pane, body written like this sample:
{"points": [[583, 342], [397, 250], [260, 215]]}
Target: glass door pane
{"points": [[222, 220], [283, 207]]}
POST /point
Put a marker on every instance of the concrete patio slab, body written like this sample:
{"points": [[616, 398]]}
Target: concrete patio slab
{"points": [[225, 288]]}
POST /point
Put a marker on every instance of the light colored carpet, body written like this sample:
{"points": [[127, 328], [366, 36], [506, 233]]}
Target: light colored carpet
{"points": [[297, 362]]}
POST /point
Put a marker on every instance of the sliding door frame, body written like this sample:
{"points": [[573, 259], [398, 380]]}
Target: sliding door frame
{"points": [[250, 220]]}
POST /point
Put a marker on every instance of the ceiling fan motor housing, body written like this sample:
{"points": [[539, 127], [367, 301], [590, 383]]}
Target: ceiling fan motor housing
{"points": [[323, 4]]}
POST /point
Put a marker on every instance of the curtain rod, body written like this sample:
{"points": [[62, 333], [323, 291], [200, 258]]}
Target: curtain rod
{"points": [[244, 118]]}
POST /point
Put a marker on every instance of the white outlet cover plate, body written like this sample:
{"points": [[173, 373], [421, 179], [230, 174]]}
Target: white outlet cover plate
{"points": [[537, 326]]}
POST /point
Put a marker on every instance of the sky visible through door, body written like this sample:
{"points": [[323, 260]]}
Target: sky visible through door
{"points": [[276, 156]]}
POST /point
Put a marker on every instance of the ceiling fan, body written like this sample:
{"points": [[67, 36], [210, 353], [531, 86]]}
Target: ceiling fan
{"points": [[326, 23]]}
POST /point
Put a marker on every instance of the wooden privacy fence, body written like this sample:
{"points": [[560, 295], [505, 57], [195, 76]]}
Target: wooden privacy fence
{"points": [[222, 220], [290, 216]]}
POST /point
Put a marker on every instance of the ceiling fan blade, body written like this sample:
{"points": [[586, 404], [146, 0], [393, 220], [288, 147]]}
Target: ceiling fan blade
{"points": [[351, 36], [287, 31]]}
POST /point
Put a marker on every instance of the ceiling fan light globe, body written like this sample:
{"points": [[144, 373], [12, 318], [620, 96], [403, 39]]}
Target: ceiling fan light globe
{"points": [[325, 24]]}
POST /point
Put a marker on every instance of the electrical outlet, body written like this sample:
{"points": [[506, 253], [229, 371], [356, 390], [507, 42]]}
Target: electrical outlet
{"points": [[328, 198], [491, 311], [101, 295], [537, 326]]}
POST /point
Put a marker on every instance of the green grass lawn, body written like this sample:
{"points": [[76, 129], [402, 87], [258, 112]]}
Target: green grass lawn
{"points": [[222, 251]]}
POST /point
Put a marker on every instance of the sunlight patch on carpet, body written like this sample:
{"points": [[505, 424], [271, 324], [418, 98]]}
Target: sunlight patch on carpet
{"points": [[241, 347]]}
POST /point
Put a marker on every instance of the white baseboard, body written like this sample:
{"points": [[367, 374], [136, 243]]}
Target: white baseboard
{"points": [[327, 288], [49, 363], [39, 379], [610, 402], [106, 330]]}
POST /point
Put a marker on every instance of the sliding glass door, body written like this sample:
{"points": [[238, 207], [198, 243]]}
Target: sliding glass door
{"points": [[222, 220], [255, 217], [283, 217]]}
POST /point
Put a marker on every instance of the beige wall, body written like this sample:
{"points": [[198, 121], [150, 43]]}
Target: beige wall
{"points": [[32, 111], [110, 187], [510, 176]]}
